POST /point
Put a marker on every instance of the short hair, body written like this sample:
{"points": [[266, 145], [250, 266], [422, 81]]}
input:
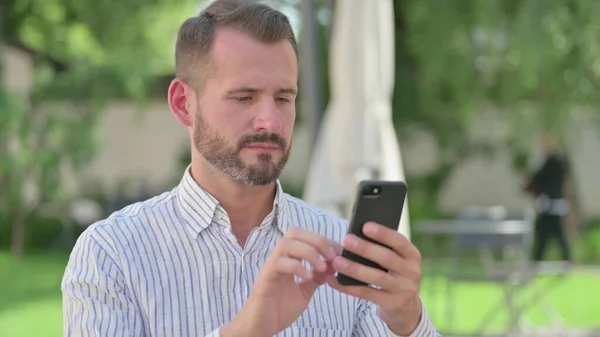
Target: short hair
{"points": [[196, 34]]}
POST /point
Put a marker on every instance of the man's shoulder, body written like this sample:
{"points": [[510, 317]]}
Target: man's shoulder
{"points": [[316, 219], [125, 224]]}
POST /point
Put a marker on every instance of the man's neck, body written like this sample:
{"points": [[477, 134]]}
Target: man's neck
{"points": [[246, 205]]}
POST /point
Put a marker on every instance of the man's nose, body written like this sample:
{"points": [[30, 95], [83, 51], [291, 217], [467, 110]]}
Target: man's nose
{"points": [[267, 117]]}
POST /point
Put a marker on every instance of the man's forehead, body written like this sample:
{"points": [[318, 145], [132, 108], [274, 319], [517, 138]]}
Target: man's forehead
{"points": [[291, 90]]}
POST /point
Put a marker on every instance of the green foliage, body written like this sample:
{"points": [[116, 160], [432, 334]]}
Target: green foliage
{"points": [[529, 62], [534, 60], [587, 251], [47, 232], [293, 189], [111, 48], [85, 54]]}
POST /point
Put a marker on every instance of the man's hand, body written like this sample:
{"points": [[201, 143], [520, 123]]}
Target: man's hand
{"points": [[276, 299], [398, 293]]}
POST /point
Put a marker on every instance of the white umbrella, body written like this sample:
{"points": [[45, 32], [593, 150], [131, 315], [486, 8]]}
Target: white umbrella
{"points": [[357, 140]]}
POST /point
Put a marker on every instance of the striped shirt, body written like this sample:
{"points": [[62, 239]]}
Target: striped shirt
{"points": [[171, 266]]}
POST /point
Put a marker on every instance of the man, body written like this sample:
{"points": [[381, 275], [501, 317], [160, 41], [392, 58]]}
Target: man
{"points": [[547, 184], [227, 253]]}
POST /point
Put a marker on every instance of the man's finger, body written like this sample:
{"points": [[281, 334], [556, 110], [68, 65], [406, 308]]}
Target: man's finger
{"points": [[326, 247], [290, 266], [318, 279], [381, 255], [391, 238], [301, 251], [384, 280], [370, 294]]}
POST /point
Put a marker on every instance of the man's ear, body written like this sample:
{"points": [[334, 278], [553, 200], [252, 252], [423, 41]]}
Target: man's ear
{"points": [[182, 101]]}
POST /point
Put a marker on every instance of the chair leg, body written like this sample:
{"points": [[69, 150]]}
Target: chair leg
{"points": [[488, 317], [514, 314], [450, 305], [515, 311], [539, 298]]}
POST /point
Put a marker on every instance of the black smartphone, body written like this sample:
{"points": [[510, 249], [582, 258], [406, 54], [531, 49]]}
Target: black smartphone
{"points": [[378, 201]]}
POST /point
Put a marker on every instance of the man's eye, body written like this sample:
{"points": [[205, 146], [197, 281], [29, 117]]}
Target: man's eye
{"points": [[244, 99], [283, 100]]}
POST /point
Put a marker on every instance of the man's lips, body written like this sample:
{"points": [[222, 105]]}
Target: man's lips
{"points": [[263, 146]]}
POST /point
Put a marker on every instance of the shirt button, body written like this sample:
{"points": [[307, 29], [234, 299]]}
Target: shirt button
{"points": [[247, 259]]}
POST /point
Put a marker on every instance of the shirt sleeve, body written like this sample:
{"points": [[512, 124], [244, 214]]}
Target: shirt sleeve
{"points": [[369, 323], [95, 297]]}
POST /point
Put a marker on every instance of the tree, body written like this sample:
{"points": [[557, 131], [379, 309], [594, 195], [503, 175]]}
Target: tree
{"points": [[533, 62], [86, 53]]}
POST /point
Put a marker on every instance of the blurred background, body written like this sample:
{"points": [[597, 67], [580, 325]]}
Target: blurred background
{"points": [[451, 96]]}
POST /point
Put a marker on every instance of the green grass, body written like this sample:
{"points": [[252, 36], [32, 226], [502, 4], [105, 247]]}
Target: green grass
{"points": [[30, 298], [575, 298]]}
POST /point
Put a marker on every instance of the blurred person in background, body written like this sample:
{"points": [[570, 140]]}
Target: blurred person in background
{"points": [[227, 252], [547, 185]]}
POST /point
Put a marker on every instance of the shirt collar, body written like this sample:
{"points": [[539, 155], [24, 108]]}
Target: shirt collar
{"points": [[198, 207], [281, 209]]}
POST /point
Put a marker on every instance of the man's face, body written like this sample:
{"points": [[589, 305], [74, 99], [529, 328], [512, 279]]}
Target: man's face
{"points": [[246, 111]]}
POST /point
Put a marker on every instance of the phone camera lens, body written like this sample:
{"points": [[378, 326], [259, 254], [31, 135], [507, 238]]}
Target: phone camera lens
{"points": [[372, 191]]}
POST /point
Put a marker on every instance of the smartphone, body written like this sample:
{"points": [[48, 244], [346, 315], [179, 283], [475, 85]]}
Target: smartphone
{"points": [[378, 201]]}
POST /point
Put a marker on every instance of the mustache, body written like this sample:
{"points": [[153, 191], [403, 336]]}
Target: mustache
{"points": [[272, 138]]}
